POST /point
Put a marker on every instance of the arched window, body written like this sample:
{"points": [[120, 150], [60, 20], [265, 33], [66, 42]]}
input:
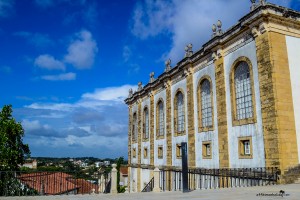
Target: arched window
{"points": [[243, 91], [146, 123], [179, 112], [206, 103], [134, 127], [161, 119]]}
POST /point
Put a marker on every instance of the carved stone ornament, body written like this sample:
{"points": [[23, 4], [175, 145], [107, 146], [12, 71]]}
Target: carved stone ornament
{"points": [[151, 77], [168, 65], [140, 86], [167, 85], [188, 50], [130, 93]]}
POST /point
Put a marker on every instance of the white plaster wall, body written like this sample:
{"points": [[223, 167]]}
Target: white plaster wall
{"points": [[133, 180], [209, 135], [146, 160], [184, 138], [293, 48], [162, 142], [254, 130], [145, 177]]}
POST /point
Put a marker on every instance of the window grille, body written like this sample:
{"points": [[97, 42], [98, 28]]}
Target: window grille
{"points": [[161, 118], [146, 123], [243, 92], [180, 112], [206, 104], [247, 147]]}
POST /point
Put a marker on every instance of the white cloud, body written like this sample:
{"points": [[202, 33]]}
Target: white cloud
{"points": [[187, 21], [109, 94], [60, 77], [49, 62], [82, 51]]}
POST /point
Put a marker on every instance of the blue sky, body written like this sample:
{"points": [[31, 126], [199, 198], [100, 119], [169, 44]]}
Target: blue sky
{"points": [[67, 65]]}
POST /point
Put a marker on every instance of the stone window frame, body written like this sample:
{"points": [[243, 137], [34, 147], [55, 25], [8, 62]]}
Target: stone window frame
{"points": [[134, 152], [160, 152], [241, 146], [178, 151], [158, 134], [145, 153], [175, 118], [145, 139], [235, 121], [205, 154], [134, 129], [199, 106]]}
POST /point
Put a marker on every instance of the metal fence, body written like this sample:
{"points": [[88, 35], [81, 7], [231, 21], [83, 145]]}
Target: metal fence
{"points": [[14, 183], [171, 180]]}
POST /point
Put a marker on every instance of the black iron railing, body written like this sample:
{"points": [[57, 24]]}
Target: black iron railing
{"points": [[51, 183], [149, 187], [171, 180]]}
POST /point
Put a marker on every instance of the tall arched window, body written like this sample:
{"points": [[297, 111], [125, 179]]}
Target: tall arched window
{"points": [[146, 123], [206, 103], [243, 91], [161, 119], [179, 112], [134, 127]]}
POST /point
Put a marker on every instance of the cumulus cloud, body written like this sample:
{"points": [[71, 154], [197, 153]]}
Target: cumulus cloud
{"points": [[49, 62], [109, 93], [6, 7], [60, 77], [37, 129], [186, 21], [82, 51]]}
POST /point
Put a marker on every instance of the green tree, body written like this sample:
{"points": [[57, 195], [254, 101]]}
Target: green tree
{"points": [[12, 149], [120, 161]]}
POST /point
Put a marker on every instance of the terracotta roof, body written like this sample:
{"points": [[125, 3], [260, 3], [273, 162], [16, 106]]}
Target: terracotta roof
{"points": [[124, 170], [56, 183]]}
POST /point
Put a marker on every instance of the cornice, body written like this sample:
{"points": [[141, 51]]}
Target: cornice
{"points": [[249, 26]]}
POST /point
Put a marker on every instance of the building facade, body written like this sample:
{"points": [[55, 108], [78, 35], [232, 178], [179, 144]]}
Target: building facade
{"points": [[235, 101]]}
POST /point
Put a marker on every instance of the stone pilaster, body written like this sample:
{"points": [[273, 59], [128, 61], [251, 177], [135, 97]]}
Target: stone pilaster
{"points": [[168, 124], [129, 133], [276, 101], [139, 150], [152, 129], [222, 114], [190, 117]]}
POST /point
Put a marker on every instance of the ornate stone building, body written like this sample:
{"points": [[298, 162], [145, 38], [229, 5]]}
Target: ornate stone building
{"points": [[235, 101]]}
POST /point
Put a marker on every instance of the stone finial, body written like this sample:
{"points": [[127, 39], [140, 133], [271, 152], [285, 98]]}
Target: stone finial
{"points": [[130, 93], [214, 30], [140, 86], [253, 5], [151, 77], [168, 65], [217, 29], [188, 50], [219, 25], [262, 2]]}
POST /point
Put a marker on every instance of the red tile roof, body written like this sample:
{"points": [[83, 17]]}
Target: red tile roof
{"points": [[56, 183], [124, 170]]}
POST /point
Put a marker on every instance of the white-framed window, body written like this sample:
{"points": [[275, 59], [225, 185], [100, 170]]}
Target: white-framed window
{"points": [[146, 123], [180, 112], [243, 91], [161, 119], [206, 104]]}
